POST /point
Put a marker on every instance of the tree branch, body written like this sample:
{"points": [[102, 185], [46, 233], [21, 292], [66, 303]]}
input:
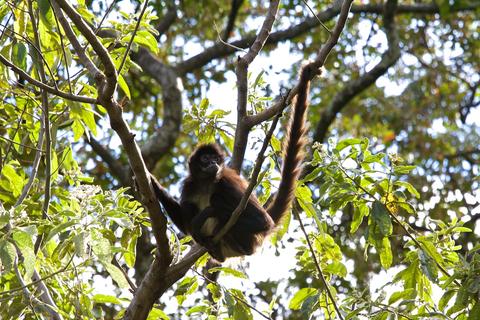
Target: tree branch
{"points": [[219, 50], [167, 134], [168, 19], [354, 87], [110, 76], [242, 130], [232, 16], [115, 166], [108, 83], [44, 86]]}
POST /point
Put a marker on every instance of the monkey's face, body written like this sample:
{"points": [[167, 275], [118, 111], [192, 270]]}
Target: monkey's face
{"points": [[210, 164], [206, 162]]}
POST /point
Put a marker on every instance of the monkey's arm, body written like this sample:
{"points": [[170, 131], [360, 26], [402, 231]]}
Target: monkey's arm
{"points": [[181, 214]]}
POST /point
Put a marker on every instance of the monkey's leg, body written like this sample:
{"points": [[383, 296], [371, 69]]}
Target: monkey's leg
{"points": [[204, 227]]}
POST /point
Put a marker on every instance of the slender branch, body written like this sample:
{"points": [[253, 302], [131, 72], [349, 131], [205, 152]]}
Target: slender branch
{"points": [[242, 130], [36, 163], [132, 285], [354, 87], [82, 55], [41, 305], [109, 87], [317, 265], [115, 166], [46, 123], [41, 85], [129, 46], [64, 53]]}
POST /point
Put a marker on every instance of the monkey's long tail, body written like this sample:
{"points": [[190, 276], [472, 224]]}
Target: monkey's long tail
{"points": [[293, 149]]}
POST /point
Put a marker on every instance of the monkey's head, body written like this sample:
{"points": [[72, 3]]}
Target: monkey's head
{"points": [[206, 162]]}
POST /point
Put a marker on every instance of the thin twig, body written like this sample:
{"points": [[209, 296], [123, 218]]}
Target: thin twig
{"points": [[317, 265], [132, 285], [63, 51], [108, 88], [46, 122], [45, 86], [233, 295], [127, 51], [316, 17]]}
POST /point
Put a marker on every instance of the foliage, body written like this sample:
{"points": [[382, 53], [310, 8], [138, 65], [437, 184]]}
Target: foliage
{"points": [[389, 205]]}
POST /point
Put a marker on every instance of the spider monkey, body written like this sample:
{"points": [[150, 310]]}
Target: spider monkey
{"points": [[212, 191]]}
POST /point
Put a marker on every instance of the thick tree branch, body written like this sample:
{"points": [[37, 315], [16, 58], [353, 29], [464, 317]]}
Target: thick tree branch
{"points": [[166, 135], [242, 130], [232, 16], [107, 84], [220, 50], [116, 167], [168, 19], [79, 49], [354, 87], [110, 77]]}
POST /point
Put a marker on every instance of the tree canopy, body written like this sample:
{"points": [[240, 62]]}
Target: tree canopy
{"points": [[97, 94]]}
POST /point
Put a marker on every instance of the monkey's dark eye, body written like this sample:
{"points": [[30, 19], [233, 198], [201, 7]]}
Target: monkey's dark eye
{"points": [[204, 158]]}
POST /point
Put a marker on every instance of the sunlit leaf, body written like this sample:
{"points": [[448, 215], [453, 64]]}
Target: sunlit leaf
{"points": [[299, 297]]}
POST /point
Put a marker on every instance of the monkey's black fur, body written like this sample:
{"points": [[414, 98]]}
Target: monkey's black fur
{"points": [[212, 191]]}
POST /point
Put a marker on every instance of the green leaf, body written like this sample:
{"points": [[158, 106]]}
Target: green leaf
{"points": [[117, 275], [46, 14], [299, 297], [382, 218], [101, 247], [428, 266], [336, 268], [88, 118], [16, 181], [242, 312], [78, 129], [104, 298], [228, 271], [25, 244], [19, 56], [475, 312], [361, 210], [186, 287], [408, 293], [374, 158], [227, 139], [156, 314], [447, 296], [399, 170], [409, 187], [130, 255], [197, 309], [124, 86], [145, 39], [7, 255], [61, 227], [430, 249], [385, 252], [461, 229], [347, 142]]}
